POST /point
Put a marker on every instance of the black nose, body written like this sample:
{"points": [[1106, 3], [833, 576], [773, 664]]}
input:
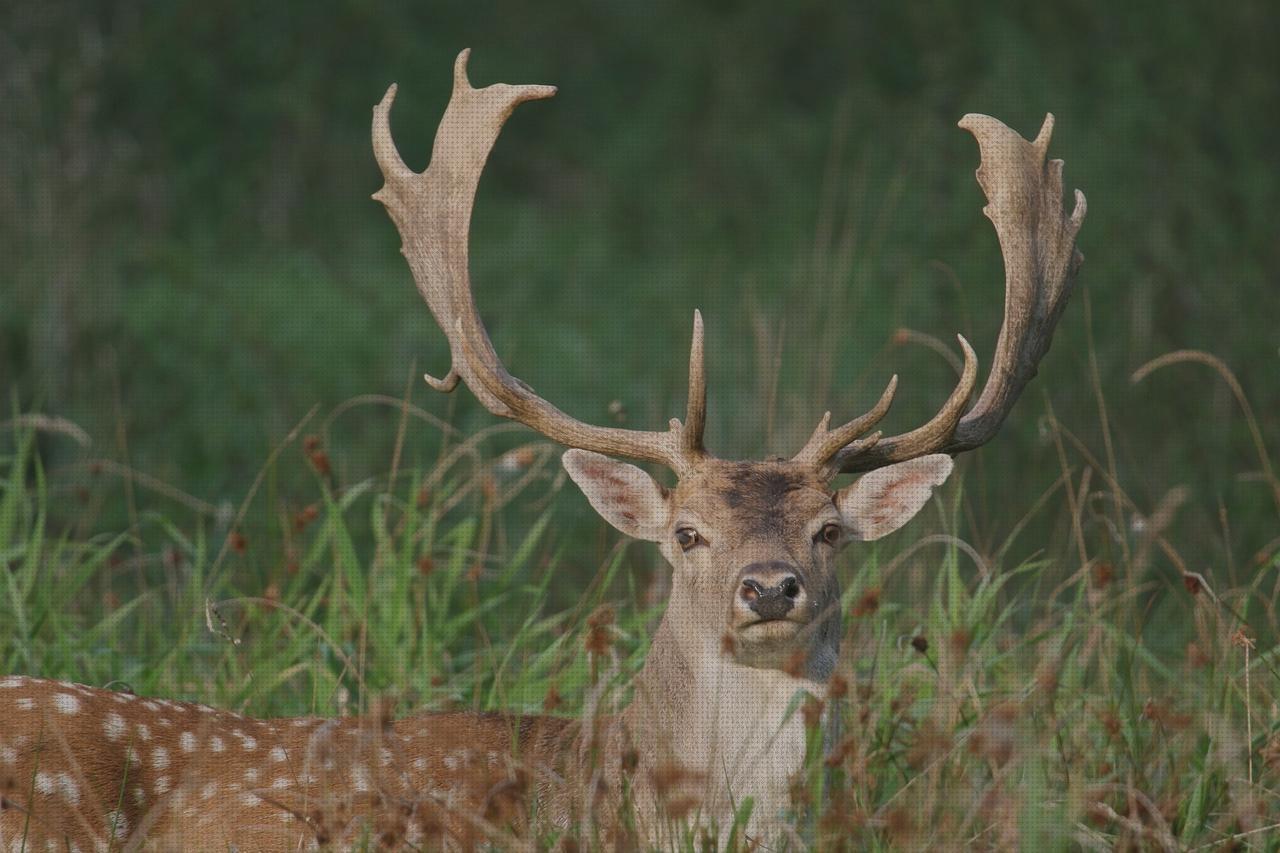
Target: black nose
{"points": [[770, 589]]}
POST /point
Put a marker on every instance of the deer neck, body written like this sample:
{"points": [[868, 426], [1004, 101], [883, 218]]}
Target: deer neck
{"points": [[732, 731]]}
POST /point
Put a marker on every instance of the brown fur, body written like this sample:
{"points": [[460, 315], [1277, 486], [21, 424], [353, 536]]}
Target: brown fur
{"points": [[277, 784]]}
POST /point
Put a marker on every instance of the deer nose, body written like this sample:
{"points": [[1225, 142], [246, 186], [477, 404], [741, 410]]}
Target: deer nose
{"points": [[770, 590]]}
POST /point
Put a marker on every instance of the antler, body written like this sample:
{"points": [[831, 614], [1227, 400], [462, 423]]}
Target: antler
{"points": [[1024, 203], [432, 211]]}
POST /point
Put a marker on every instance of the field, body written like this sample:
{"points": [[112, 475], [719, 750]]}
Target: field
{"points": [[224, 480]]}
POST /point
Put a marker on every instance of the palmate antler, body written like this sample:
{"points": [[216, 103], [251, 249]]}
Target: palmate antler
{"points": [[432, 211], [1037, 239]]}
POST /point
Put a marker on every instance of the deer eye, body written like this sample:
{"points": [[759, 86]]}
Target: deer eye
{"points": [[830, 534], [687, 537]]}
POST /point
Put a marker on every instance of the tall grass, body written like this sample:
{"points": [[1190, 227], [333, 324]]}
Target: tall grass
{"points": [[1090, 691]]}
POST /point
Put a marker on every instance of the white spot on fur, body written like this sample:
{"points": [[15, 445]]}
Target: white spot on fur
{"points": [[250, 800], [150, 705], [281, 783], [160, 758], [144, 731], [419, 764], [8, 755], [451, 761], [26, 703], [139, 795], [384, 756], [45, 783], [208, 791], [251, 775], [277, 754], [188, 741], [66, 703], [13, 681], [360, 778], [216, 744], [113, 726], [162, 785], [117, 825], [70, 790]]}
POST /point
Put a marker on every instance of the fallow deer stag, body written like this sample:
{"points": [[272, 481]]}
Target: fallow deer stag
{"points": [[753, 615]]}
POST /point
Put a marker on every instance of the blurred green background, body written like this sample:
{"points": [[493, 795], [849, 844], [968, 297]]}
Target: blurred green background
{"points": [[192, 260]]}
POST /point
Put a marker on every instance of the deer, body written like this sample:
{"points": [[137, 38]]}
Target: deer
{"points": [[753, 618]]}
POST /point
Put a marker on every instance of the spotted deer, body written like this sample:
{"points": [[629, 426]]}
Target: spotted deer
{"points": [[753, 618]]}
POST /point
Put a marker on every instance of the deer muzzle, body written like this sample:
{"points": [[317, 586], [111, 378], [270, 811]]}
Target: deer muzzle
{"points": [[770, 592]]}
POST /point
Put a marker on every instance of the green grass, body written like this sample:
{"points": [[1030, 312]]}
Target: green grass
{"points": [[1076, 693]]}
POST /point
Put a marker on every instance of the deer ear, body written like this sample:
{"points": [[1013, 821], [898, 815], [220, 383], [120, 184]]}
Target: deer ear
{"points": [[880, 502], [625, 496]]}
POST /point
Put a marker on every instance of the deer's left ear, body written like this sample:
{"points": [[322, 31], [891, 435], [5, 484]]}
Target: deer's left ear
{"points": [[625, 496], [882, 501]]}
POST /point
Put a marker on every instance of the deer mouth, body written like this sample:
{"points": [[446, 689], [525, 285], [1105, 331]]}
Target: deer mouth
{"points": [[777, 627]]}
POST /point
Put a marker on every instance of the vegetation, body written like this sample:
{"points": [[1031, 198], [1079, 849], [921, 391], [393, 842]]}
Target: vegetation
{"points": [[222, 479]]}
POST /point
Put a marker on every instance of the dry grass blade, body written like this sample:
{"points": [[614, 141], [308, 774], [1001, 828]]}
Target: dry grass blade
{"points": [[1200, 357], [49, 423]]}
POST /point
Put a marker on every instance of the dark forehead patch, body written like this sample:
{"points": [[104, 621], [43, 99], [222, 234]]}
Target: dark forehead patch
{"points": [[750, 485], [757, 494]]}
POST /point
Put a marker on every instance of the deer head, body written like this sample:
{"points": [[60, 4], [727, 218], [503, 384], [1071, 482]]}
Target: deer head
{"points": [[752, 543]]}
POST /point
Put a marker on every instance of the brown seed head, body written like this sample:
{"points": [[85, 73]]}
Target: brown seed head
{"points": [[811, 711], [867, 604]]}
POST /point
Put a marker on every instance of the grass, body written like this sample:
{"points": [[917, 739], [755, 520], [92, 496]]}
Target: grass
{"points": [[1091, 691]]}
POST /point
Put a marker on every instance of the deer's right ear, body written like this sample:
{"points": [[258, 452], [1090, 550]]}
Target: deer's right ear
{"points": [[625, 496]]}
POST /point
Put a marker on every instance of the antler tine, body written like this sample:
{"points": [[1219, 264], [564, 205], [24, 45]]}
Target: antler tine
{"points": [[1037, 240], [432, 212], [934, 434], [695, 420], [825, 443]]}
